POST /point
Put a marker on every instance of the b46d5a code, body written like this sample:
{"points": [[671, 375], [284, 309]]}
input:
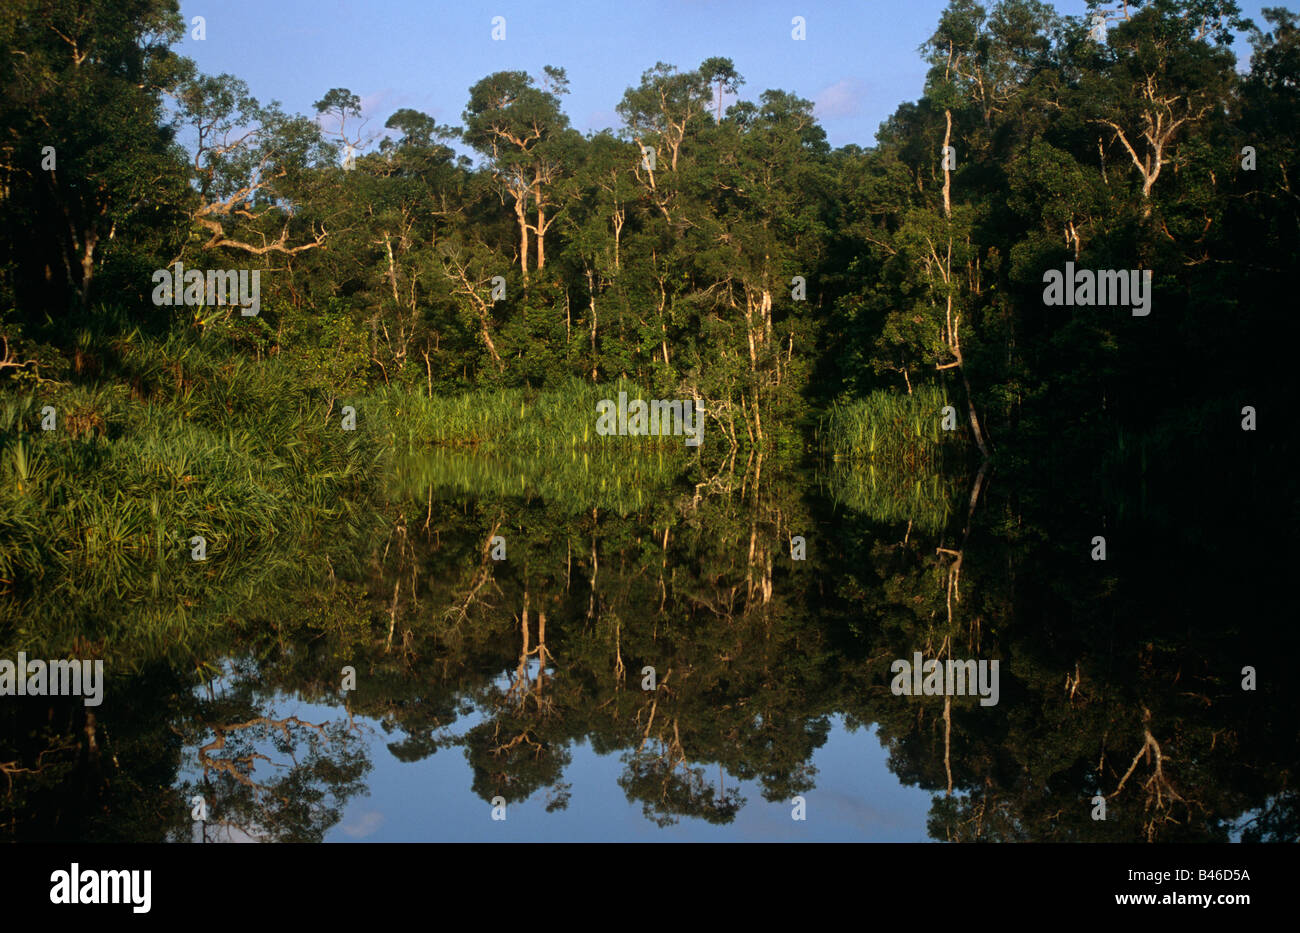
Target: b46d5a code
{"points": [[1222, 874]]}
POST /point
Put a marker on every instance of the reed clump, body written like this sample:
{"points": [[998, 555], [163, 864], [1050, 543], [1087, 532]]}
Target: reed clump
{"points": [[552, 421], [891, 429]]}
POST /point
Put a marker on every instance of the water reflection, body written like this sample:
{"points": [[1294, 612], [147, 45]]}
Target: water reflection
{"points": [[649, 631]]}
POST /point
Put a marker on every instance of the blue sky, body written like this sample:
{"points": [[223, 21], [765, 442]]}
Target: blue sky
{"points": [[858, 63]]}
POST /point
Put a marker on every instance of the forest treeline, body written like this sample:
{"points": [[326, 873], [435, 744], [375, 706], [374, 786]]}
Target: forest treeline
{"points": [[700, 250]]}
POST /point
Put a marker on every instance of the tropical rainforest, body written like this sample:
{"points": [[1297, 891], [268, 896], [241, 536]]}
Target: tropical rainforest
{"points": [[865, 328]]}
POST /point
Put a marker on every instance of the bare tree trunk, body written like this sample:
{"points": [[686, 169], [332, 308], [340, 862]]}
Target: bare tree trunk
{"points": [[591, 291], [953, 326], [521, 215], [392, 268], [618, 235], [492, 347], [947, 740], [87, 267], [947, 165], [974, 418], [541, 233]]}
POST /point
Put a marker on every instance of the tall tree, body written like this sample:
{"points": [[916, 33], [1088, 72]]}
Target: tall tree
{"points": [[521, 129]]}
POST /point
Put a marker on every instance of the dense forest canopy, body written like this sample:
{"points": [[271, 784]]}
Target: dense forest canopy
{"points": [[728, 254]]}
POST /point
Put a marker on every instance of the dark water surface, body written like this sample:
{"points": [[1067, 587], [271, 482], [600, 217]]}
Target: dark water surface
{"points": [[487, 687]]}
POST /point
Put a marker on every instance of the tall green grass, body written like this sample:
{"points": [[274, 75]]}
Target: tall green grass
{"points": [[891, 429], [96, 516], [555, 421]]}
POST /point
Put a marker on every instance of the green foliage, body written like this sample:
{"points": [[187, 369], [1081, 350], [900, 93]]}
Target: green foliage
{"points": [[902, 432], [557, 420], [100, 511]]}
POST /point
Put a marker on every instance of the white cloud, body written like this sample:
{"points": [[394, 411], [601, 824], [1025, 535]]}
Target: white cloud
{"points": [[364, 824], [841, 99]]}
